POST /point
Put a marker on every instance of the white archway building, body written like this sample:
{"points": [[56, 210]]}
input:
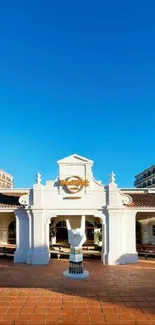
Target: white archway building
{"points": [[74, 193]]}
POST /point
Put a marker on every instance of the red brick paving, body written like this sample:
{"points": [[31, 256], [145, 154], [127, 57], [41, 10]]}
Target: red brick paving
{"points": [[111, 295]]}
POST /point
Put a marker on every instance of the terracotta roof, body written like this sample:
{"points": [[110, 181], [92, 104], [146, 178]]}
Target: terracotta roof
{"points": [[13, 194], [142, 200], [9, 206], [9, 201]]}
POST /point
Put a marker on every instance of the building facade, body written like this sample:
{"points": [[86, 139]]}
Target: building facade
{"points": [[125, 216], [146, 178], [6, 180]]}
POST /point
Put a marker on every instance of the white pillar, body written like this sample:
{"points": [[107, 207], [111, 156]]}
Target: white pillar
{"points": [[129, 251], [53, 238], [5, 234], [22, 236], [47, 225], [120, 237], [29, 253], [112, 237], [40, 249], [103, 241], [120, 228], [5, 225], [96, 236]]}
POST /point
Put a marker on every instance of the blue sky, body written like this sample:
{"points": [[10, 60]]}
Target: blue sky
{"points": [[77, 77]]}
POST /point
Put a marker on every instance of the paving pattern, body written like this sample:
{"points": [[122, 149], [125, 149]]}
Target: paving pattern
{"points": [[111, 295]]}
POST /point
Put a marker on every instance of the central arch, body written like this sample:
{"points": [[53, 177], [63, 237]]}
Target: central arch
{"points": [[58, 235]]}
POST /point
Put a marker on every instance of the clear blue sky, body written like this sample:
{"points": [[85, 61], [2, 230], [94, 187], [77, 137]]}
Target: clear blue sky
{"points": [[77, 77]]}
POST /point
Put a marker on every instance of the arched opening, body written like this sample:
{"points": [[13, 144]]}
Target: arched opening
{"points": [[12, 232], [58, 235], [7, 230], [145, 232]]}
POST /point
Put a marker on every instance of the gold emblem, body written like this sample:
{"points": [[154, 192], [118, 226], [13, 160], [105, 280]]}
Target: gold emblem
{"points": [[74, 184]]}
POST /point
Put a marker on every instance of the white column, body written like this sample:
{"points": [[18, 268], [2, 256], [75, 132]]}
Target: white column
{"points": [[120, 232], [29, 253], [47, 241], [40, 250], [103, 241], [129, 251], [112, 237], [112, 241], [5, 225], [5, 234], [120, 241], [22, 236]]}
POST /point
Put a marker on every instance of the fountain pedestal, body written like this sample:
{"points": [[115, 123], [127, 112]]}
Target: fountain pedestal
{"points": [[76, 270]]}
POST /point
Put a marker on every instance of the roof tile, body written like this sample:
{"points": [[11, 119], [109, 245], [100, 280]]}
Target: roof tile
{"points": [[142, 200], [9, 201]]}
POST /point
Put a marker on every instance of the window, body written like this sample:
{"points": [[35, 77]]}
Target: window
{"points": [[8, 179], [153, 230], [89, 230], [154, 181], [144, 184], [61, 231], [149, 183], [8, 185], [149, 172], [61, 224]]}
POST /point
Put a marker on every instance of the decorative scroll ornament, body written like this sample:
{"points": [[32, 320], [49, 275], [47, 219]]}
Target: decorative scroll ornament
{"points": [[126, 200], [23, 200]]}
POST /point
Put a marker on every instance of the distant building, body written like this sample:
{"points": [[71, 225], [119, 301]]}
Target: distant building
{"points": [[6, 180], [146, 178]]}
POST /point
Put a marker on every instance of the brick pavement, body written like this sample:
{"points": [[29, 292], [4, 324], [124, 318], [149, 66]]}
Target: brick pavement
{"points": [[111, 295]]}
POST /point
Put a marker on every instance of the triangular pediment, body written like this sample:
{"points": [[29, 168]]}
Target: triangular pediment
{"points": [[75, 159]]}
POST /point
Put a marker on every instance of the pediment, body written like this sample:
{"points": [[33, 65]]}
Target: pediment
{"points": [[75, 159]]}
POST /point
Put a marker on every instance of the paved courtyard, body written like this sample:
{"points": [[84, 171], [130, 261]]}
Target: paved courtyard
{"points": [[111, 295]]}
